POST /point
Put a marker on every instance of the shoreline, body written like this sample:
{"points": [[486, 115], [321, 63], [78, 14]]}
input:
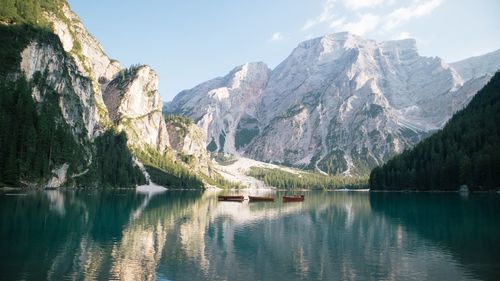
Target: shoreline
{"points": [[244, 190]]}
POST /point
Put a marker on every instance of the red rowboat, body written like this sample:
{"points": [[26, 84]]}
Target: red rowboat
{"points": [[260, 199], [231, 198], [293, 198]]}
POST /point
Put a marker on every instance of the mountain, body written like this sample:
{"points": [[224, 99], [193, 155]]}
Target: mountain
{"points": [[225, 107], [478, 66], [465, 152], [338, 103], [71, 116]]}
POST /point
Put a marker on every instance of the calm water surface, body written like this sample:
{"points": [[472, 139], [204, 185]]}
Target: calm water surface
{"points": [[188, 235]]}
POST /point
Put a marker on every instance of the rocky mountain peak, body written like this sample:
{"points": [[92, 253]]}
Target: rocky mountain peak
{"points": [[134, 104], [338, 103], [408, 44], [339, 40], [253, 74]]}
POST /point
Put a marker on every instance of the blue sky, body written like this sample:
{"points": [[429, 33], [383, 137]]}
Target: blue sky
{"points": [[188, 42]]}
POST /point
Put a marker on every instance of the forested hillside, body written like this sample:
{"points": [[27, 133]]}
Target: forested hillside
{"points": [[34, 137], [466, 151], [305, 180]]}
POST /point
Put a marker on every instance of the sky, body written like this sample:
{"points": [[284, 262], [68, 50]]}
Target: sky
{"points": [[188, 42]]}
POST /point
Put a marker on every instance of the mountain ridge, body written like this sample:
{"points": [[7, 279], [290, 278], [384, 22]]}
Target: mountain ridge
{"points": [[338, 104], [477, 66]]}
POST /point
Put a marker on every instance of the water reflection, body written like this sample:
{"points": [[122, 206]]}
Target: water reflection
{"points": [[189, 235], [466, 227]]}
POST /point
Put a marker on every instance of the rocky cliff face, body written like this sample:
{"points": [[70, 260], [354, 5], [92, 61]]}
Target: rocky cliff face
{"points": [[76, 99], [225, 107], [189, 142], [134, 105], [87, 53], [127, 99], [339, 104], [94, 94]]}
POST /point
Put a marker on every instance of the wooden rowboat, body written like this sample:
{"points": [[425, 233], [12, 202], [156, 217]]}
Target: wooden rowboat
{"points": [[260, 199], [231, 198], [293, 198]]}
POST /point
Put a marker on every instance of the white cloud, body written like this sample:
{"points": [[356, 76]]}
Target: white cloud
{"points": [[276, 36], [419, 9], [358, 4], [325, 16], [370, 19], [366, 23], [337, 23]]}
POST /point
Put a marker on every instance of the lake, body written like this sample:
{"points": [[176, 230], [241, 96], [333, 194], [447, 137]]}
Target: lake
{"points": [[189, 235]]}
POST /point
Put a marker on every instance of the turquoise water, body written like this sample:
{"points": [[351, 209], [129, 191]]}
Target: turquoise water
{"points": [[188, 235]]}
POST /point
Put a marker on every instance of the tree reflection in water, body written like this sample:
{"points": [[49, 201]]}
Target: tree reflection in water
{"points": [[189, 235]]}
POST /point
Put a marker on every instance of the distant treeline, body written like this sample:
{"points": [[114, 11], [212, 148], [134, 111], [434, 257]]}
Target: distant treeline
{"points": [[305, 180], [166, 171], [466, 151]]}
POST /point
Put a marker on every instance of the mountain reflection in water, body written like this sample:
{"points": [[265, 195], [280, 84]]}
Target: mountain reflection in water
{"points": [[189, 235]]}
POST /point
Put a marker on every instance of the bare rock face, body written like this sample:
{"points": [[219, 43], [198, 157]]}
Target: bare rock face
{"points": [[87, 51], [189, 142], [134, 104], [343, 104], [59, 176], [224, 106], [76, 100], [338, 103], [126, 98], [88, 55]]}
